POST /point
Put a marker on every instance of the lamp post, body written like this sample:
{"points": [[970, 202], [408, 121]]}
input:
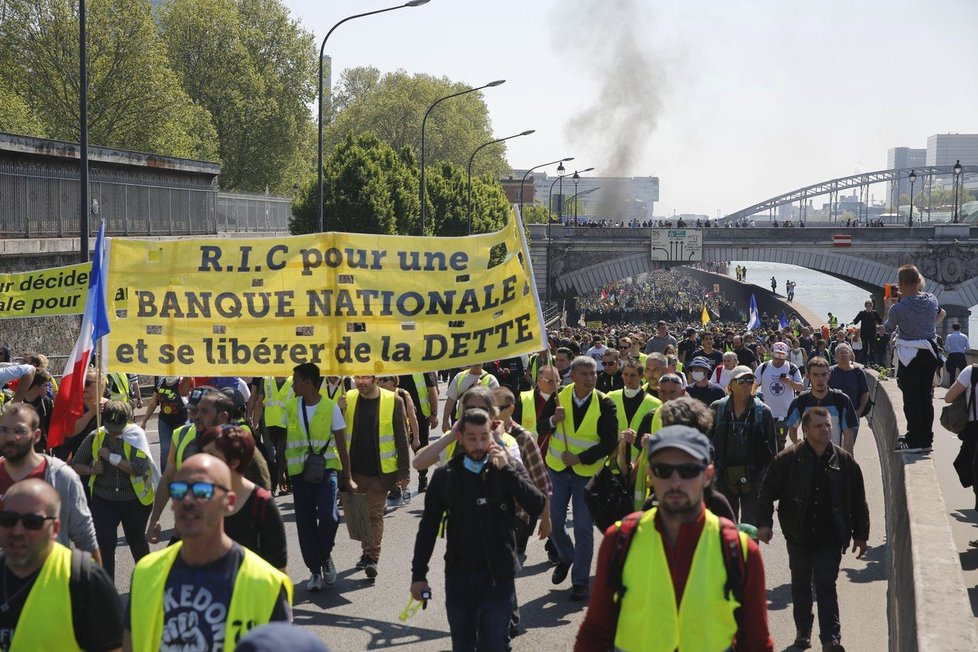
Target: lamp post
{"points": [[550, 195], [537, 167], [577, 180], [322, 51], [472, 158], [582, 194], [549, 204], [83, 202], [912, 177], [957, 189], [424, 123]]}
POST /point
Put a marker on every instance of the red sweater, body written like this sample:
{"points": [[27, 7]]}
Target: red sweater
{"points": [[597, 633]]}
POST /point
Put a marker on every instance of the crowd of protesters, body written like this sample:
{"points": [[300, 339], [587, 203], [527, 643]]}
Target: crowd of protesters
{"points": [[674, 294]]}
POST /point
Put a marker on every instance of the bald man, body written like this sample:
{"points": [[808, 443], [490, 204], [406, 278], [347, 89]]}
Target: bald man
{"points": [[59, 583], [182, 595]]}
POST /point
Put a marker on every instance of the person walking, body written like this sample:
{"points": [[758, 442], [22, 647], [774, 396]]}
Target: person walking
{"points": [[173, 412], [821, 395], [821, 507], [671, 589], [275, 393], [476, 492], [474, 375], [231, 588], [956, 345], [423, 389]]}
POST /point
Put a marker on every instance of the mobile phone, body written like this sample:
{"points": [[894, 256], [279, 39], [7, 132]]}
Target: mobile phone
{"points": [[784, 375]]}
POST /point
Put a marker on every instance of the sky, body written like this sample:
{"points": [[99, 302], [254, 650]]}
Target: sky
{"points": [[728, 103]]}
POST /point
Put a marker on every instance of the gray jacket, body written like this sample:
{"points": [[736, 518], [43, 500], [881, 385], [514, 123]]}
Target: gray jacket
{"points": [[76, 520]]}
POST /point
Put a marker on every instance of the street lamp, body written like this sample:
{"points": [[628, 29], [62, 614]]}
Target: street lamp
{"points": [[582, 194], [537, 167], [560, 178], [577, 180], [550, 195], [472, 158], [322, 51], [957, 189], [424, 122], [83, 203], [549, 204], [912, 177]]}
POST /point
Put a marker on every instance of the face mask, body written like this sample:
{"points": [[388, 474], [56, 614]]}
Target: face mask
{"points": [[545, 397], [473, 466], [171, 379], [632, 393], [697, 375]]}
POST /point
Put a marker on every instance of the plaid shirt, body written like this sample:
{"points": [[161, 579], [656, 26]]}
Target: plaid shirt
{"points": [[533, 462]]}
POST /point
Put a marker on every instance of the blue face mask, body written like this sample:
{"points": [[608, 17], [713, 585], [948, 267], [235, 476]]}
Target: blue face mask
{"points": [[472, 465]]}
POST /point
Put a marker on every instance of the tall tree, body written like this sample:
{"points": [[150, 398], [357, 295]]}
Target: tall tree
{"points": [[253, 68], [135, 100], [449, 200]]}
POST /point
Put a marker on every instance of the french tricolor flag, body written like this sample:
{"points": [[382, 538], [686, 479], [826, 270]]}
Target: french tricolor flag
{"points": [[70, 404]]}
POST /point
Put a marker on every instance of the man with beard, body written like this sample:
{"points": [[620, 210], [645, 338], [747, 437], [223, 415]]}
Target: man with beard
{"points": [[19, 432], [658, 575], [478, 489]]}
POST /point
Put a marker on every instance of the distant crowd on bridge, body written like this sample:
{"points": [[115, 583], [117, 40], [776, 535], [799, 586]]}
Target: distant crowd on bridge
{"points": [[700, 223]]}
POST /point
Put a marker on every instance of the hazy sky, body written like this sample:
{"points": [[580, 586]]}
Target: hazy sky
{"points": [[728, 103]]}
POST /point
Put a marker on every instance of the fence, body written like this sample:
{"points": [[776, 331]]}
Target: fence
{"points": [[245, 212]]}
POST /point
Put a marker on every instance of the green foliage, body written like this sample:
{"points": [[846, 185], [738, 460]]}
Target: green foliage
{"points": [[448, 201], [15, 116], [535, 214], [254, 69], [135, 100]]}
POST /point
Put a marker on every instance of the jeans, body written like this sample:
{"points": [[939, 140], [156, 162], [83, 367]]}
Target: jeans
{"points": [[166, 436], [316, 518], [276, 438], [916, 382], [955, 363], [745, 507], [423, 432], [568, 486], [816, 567], [107, 515], [479, 611]]}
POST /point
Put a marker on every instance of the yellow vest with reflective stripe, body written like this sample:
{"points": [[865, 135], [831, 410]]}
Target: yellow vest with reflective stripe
{"points": [[642, 469], [46, 622], [142, 484], [275, 398], [528, 418], [256, 589], [120, 382], [421, 387], [182, 437], [650, 621], [297, 444], [576, 439], [385, 443], [648, 404]]}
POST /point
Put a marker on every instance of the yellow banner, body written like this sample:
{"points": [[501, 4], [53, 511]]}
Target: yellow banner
{"points": [[348, 302], [45, 292]]}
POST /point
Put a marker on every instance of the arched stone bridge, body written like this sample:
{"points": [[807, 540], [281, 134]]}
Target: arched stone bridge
{"points": [[584, 258]]}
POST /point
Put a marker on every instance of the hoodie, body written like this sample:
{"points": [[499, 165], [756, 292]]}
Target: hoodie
{"points": [[915, 316]]}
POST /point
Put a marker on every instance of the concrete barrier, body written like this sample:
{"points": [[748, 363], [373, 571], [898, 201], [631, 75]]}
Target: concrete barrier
{"points": [[928, 604]]}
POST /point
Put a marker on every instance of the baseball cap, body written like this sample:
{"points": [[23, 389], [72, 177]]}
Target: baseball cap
{"points": [[702, 362], [685, 438], [740, 370], [780, 350], [690, 331], [280, 636], [116, 415]]}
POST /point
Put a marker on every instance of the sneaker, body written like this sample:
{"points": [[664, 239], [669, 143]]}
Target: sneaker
{"points": [[329, 572], [364, 560], [552, 555], [803, 640], [904, 447], [406, 496], [315, 583], [394, 494], [832, 647], [578, 592], [560, 572], [370, 569]]}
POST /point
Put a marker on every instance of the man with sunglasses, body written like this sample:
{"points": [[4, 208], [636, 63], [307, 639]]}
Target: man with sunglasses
{"points": [[183, 597], [61, 585], [610, 378], [19, 433], [668, 602]]}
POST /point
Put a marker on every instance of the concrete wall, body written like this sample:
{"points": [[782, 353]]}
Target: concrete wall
{"points": [[928, 604]]}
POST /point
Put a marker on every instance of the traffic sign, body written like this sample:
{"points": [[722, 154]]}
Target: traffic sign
{"points": [[677, 245]]}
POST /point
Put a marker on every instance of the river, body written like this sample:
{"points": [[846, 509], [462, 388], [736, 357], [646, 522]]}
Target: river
{"points": [[819, 292]]}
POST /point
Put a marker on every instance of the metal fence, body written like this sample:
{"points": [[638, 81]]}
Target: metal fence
{"points": [[245, 212]]}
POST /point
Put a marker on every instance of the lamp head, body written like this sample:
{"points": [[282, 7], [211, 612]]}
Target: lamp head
{"points": [[912, 176], [577, 177], [561, 168], [498, 82], [569, 158], [416, 3], [528, 132], [957, 168]]}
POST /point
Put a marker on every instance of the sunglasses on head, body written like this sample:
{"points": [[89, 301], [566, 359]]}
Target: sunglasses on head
{"points": [[687, 471], [669, 378], [743, 380], [198, 490], [30, 521]]}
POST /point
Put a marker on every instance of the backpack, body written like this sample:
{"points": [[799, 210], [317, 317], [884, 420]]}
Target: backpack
{"points": [[733, 561], [955, 417]]}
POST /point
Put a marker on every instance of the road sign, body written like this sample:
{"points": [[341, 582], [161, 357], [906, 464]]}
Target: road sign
{"points": [[677, 245]]}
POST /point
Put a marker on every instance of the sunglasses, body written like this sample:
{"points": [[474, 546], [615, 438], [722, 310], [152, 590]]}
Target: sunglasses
{"points": [[743, 380], [687, 471], [199, 490], [30, 521], [669, 378]]}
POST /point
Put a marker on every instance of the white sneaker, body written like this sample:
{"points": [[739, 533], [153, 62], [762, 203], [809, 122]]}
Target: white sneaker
{"points": [[315, 583], [329, 572]]}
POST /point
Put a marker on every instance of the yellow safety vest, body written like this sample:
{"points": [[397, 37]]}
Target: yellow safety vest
{"points": [[641, 491], [182, 437], [120, 382], [256, 589], [46, 621], [275, 399], [528, 418], [576, 439], [141, 484], [650, 620], [422, 389], [325, 393], [385, 442], [648, 404], [297, 444]]}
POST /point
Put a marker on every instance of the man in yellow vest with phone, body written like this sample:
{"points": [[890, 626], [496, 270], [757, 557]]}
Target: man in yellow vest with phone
{"points": [[205, 592]]}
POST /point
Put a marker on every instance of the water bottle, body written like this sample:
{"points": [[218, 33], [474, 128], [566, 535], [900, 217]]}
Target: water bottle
{"points": [[748, 529]]}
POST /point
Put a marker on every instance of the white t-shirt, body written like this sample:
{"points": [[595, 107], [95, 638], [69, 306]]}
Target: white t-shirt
{"points": [[776, 394], [964, 378], [464, 380], [597, 352], [339, 423]]}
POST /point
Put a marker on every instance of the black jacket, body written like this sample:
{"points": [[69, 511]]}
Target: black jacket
{"points": [[789, 481], [491, 545]]}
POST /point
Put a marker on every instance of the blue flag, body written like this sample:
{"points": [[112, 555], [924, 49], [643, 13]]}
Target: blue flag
{"points": [[784, 320], [755, 318]]}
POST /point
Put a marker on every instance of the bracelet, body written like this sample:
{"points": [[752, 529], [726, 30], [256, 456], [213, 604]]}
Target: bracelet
{"points": [[114, 459]]}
